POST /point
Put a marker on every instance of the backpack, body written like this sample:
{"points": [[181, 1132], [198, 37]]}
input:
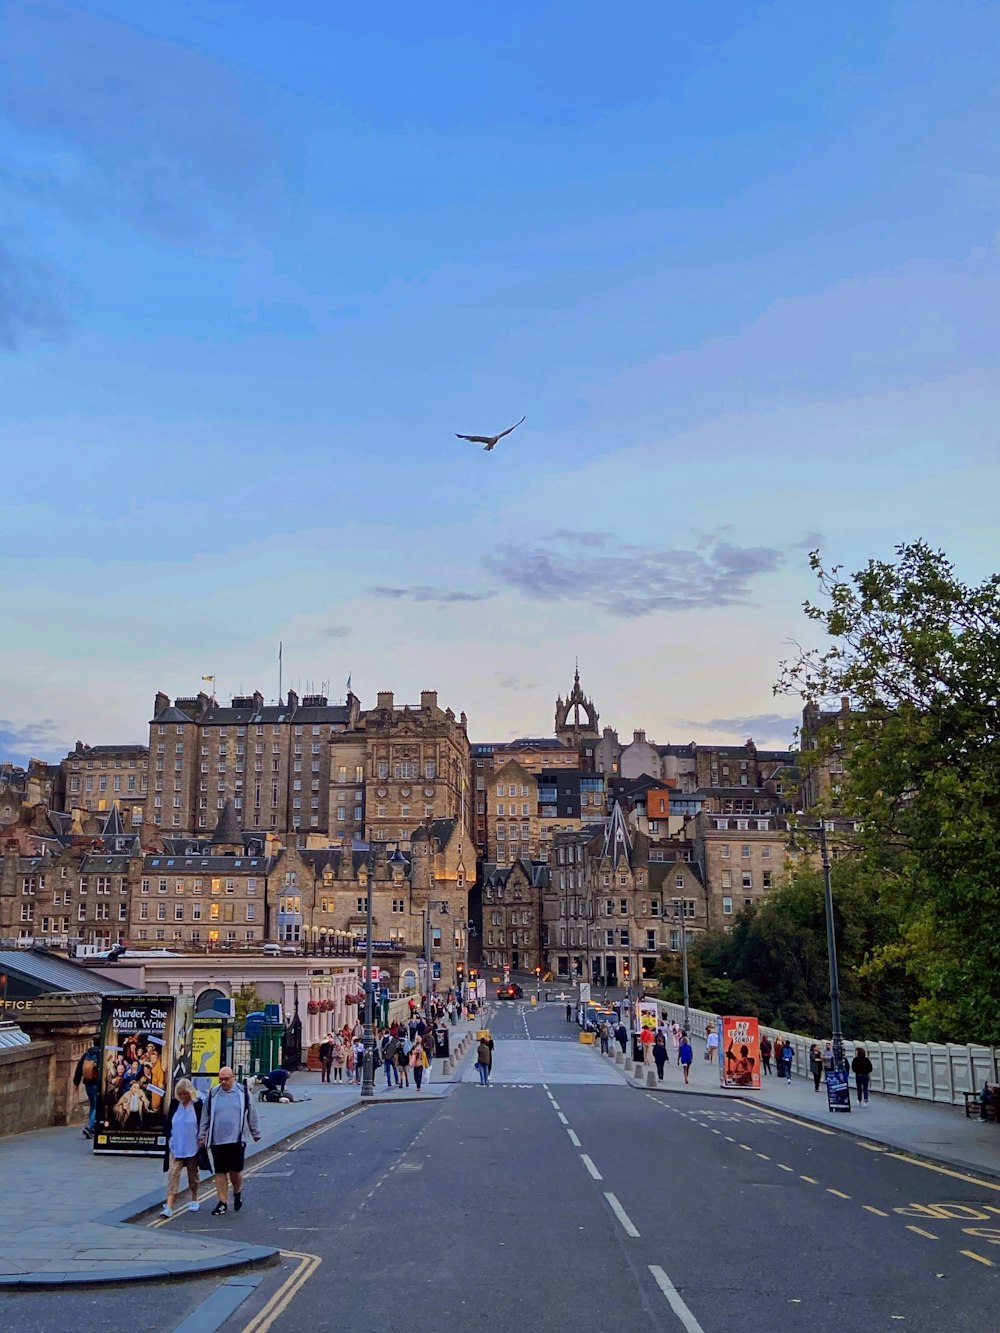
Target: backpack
{"points": [[89, 1070]]}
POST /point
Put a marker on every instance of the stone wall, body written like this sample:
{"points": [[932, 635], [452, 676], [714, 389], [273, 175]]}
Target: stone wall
{"points": [[27, 1075]]}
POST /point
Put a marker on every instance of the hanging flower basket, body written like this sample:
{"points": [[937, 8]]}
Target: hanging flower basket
{"points": [[313, 1006]]}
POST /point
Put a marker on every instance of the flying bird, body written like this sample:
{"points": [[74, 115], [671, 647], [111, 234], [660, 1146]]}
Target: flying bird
{"points": [[489, 441]]}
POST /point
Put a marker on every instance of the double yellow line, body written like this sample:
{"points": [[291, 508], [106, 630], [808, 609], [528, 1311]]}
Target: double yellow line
{"points": [[286, 1293]]}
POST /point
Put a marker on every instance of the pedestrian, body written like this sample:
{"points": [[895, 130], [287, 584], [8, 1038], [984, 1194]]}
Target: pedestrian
{"points": [[861, 1067], [88, 1073], [712, 1043], [660, 1054], [621, 1036], [389, 1048], [787, 1058], [228, 1114], [326, 1058], [484, 1059], [180, 1149], [778, 1046], [817, 1063], [417, 1058], [685, 1055], [338, 1058], [604, 1032], [427, 1042], [358, 1047], [675, 1033], [765, 1053], [647, 1041], [403, 1057], [828, 1058], [569, 1012]]}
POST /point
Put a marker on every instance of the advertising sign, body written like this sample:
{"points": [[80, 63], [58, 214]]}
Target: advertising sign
{"points": [[584, 991], [740, 1067], [145, 1047], [208, 1051], [647, 1015], [838, 1090]]}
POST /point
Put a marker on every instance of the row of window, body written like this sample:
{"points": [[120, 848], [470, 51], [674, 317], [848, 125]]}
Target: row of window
{"points": [[195, 911]]}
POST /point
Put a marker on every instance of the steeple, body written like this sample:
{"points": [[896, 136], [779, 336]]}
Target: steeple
{"points": [[571, 729], [227, 830]]}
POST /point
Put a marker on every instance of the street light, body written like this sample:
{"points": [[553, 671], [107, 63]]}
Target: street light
{"points": [[368, 1072], [819, 833], [679, 916]]}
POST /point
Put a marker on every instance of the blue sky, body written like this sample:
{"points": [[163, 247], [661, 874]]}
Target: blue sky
{"points": [[738, 263]]}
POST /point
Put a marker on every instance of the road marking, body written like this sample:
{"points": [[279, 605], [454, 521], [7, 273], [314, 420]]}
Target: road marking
{"points": [[921, 1232], [811, 1180], [839, 1193], [286, 1293], [783, 1167], [715, 1131], [729, 1138], [971, 1254], [870, 1207], [746, 1147], [585, 1159], [675, 1300], [763, 1156], [945, 1171], [573, 1138], [779, 1116], [555, 1104], [563, 1118], [622, 1215]]}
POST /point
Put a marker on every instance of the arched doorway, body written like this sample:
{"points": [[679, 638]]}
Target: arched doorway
{"points": [[206, 1000]]}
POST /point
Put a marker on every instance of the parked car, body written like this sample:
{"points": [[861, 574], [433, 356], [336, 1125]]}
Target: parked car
{"points": [[512, 991]]}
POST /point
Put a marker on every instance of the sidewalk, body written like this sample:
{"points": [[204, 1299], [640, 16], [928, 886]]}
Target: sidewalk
{"points": [[69, 1208], [937, 1133]]}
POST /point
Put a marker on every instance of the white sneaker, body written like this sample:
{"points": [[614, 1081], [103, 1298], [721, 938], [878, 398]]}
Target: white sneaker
{"points": [[193, 1207], [166, 1212]]}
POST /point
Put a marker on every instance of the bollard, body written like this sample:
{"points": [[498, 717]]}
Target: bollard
{"points": [[651, 1079], [619, 1057], [629, 1068]]}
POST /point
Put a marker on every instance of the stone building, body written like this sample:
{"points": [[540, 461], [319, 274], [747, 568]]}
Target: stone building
{"points": [[576, 717], [824, 754], [741, 855], [512, 815], [38, 785], [512, 898], [96, 777]]}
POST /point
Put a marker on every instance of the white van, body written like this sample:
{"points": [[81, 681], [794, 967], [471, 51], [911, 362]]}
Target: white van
{"points": [[272, 950]]}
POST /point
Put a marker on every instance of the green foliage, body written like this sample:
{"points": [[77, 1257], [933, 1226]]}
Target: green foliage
{"points": [[918, 652], [246, 1001], [773, 962]]}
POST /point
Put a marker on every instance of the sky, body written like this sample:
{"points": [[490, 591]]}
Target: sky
{"points": [[738, 264]]}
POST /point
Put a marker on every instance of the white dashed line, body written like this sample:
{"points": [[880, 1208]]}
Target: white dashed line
{"points": [[563, 1118], [590, 1166], [573, 1138], [623, 1217], [676, 1301]]}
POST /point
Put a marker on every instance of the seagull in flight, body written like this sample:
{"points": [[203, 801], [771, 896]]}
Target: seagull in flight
{"points": [[489, 441]]}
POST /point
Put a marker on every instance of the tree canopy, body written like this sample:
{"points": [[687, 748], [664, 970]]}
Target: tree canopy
{"points": [[917, 651]]}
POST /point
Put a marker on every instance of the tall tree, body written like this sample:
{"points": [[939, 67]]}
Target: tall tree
{"points": [[918, 653]]}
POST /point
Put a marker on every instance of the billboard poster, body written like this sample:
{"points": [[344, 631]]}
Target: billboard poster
{"points": [[145, 1047], [740, 1048], [647, 1015], [208, 1051], [838, 1090]]}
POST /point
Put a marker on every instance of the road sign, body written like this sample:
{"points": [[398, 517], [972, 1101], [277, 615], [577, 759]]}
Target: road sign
{"points": [[584, 991]]}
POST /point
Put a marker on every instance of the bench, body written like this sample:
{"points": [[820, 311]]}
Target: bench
{"points": [[977, 1109]]}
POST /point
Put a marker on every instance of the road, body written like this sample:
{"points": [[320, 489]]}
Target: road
{"points": [[560, 1199]]}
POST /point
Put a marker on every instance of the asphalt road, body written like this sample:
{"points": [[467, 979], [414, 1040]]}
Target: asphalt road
{"points": [[585, 1207]]}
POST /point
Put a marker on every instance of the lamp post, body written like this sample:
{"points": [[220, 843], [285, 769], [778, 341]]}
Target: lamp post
{"points": [[837, 1036], [368, 1072], [679, 916]]}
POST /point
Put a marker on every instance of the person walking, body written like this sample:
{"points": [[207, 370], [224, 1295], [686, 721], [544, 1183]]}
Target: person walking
{"points": [[229, 1113], [861, 1067], [403, 1057], [417, 1058], [778, 1047], [647, 1040], [427, 1043], [390, 1049], [569, 1012], [88, 1073], [828, 1057], [484, 1059], [604, 1032], [685, 1055], [180, 1149], [816, 1064], [621, 1036], [712, 1043], [765, 1053], [338, 1059], [660, 1054], [326, 1058], [358, 1047], [787, 1059]]}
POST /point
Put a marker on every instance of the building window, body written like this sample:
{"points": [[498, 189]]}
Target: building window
{"points": [[747, 879], [745, 852], [398, 905], [362, 904], [767, 879], [727, 907]]}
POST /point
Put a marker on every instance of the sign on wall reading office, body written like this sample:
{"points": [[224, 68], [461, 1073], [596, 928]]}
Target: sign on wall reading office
{"points": [[145, 1049]]}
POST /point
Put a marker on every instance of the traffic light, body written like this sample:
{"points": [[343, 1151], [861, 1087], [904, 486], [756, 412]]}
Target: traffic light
{"points": [[626, 969]]}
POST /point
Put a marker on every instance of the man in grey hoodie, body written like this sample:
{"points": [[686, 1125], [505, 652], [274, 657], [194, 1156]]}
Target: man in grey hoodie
{"points": [[228, 1115]]}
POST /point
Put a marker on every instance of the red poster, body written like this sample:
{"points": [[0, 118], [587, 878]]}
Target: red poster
{"points": [[740, 1053]]}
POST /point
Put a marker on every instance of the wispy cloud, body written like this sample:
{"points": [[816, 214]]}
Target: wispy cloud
{"points": [[576, 538], [31, 740], [762, 726], [423, 593], [514, 683], [29, 305], [150, 130], [629, 580], [809, 541], [336, 632]]}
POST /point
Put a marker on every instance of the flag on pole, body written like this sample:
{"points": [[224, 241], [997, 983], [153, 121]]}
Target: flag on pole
{"points": [[349, 681], [211, 678]]}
